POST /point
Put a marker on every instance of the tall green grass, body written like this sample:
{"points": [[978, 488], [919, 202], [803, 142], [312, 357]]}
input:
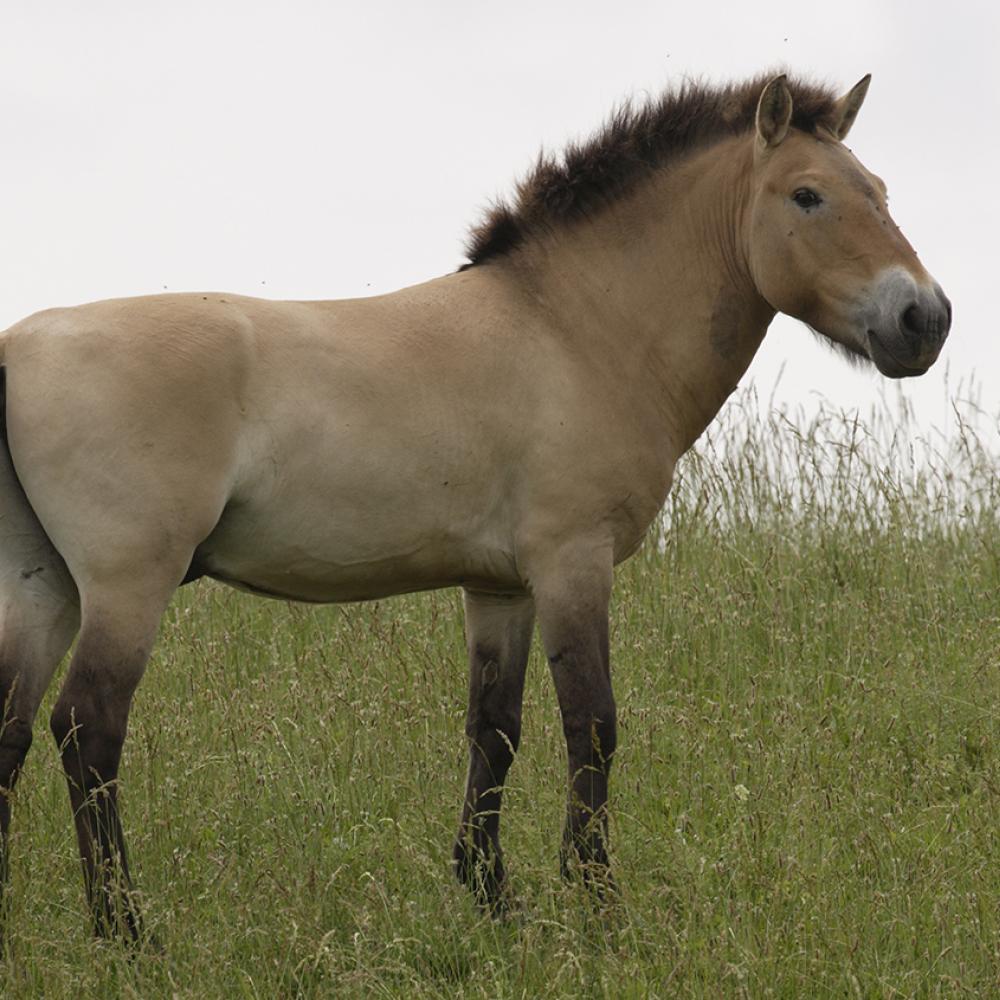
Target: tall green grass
{"points": [[805, 798]]}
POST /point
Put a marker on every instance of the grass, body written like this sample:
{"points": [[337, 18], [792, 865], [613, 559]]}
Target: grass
{"points": [[805, 798]]}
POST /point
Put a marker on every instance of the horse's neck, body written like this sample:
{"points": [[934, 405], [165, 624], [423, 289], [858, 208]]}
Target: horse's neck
{"points": [[658, 284]]}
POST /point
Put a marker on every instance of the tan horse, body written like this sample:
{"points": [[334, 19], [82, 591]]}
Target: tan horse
{"points": [[511, 429]]}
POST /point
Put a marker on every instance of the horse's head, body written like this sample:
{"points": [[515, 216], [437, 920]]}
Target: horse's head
{"points": [[823, 248]]}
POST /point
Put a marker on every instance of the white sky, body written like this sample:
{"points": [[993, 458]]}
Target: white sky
{"points": [[320, 150]]}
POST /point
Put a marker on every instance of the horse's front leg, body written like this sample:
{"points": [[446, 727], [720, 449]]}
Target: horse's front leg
{"points": [[572, 596], [498, 635]]}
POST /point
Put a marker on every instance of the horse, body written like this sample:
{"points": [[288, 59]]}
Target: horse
{"points": [[510, 428]]}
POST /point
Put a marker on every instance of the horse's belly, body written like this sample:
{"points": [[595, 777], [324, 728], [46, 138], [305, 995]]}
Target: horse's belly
{"points": [[306, 560]]}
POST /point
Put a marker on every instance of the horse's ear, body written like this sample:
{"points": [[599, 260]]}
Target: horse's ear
{"points": [[848, 106], [774, 112]]}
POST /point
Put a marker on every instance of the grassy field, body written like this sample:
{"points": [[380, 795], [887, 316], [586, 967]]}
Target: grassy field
{"points": [[805, 798]]}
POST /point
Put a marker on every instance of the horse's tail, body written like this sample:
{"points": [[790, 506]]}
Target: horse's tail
{"points": [[38, 606], [3, 390], [34, 582]]}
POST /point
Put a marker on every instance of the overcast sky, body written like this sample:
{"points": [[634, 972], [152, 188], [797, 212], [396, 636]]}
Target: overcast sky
{"points": [[320, 150]]}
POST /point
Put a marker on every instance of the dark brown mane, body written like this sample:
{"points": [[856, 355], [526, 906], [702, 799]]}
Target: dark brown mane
{"points": [[632, 143]]}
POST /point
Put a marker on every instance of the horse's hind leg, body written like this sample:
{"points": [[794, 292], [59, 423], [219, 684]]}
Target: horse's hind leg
{"points": [[498, 635], [39, 615], [89, 722]]}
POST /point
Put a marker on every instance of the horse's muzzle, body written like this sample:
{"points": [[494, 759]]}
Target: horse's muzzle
{"points": [[907, 327]]}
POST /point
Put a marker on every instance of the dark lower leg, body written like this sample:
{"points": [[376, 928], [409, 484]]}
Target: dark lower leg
{"points": [[499, 633], [92, 775], [591, 744], [478, 857], [89, 723]]}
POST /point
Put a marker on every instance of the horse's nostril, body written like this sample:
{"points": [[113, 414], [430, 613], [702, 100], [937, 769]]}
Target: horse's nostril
{"points": [[914, 321], [927, 321]]}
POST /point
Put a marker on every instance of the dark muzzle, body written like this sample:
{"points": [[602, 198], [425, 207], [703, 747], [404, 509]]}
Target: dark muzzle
{"points": [[909, 343]]}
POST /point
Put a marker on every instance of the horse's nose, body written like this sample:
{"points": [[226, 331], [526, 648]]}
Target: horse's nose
{"points": [[928, 319]]}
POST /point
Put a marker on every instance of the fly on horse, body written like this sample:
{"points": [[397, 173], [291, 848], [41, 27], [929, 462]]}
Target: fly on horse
{"points": [[510, 429]]}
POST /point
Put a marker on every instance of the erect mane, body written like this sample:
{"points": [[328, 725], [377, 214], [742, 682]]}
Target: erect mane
{"points": [[633, 142]]}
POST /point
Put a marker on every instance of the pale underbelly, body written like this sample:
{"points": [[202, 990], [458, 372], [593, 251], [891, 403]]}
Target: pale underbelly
{"points": [[367, 584], [338, 566]]}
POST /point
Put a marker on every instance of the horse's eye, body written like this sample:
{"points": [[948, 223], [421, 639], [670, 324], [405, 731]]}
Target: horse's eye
{"points": [[806, 198]]}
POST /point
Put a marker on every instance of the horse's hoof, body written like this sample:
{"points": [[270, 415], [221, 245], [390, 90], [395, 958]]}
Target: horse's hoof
{"points": [[484, 877]]}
